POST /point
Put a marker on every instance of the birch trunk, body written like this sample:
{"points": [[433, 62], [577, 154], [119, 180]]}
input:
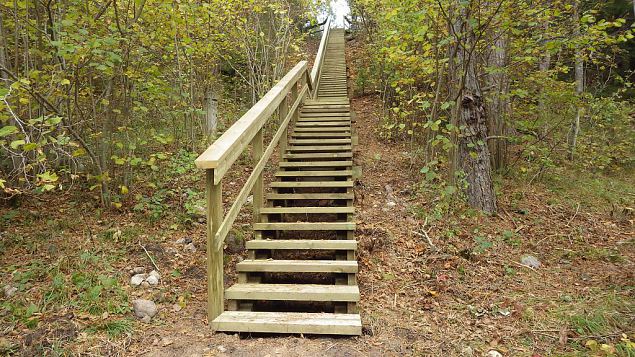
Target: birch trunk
{"points": [[499, 103], [211, 112], [579, 87]]}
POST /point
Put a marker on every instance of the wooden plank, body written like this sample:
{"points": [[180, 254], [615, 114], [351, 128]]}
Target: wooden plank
{"points": [[342, 119], [319, 141], [320, 55], [226, 149], [320, 124], [293, 292], [317, 173], [305, 226], [321, 135], [310, 196], [320, 155], [289, 322], [323, 129], [302, 244], [316, 163], [325, 114], [307, 210], [312, 184], [297, 266], [251, 181], [321, 148], [214, 198]]}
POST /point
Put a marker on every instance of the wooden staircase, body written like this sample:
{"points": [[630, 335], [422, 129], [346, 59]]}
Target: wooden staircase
{"points": [[300, 273]]}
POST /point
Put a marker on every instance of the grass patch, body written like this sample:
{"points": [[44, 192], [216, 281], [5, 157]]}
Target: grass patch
{"points": [[592, 190], [114, 328]]}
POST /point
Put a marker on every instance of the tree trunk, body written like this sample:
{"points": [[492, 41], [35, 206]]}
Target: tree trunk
{"points": [[499, 103], [473, 153], [579, 86], [211, 112]]}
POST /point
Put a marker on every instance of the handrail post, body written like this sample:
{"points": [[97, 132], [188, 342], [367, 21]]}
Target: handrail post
{"points": [[215, 286], [283, 110], [257, 191], [294, 96]]}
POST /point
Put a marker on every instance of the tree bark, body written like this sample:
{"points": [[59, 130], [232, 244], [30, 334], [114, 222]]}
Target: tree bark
{"points": [[211, 112], [473, 153], [579, 86], [499, 103]]}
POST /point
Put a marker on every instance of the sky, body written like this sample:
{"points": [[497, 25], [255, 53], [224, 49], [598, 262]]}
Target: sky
{"points": [[340, 9]]}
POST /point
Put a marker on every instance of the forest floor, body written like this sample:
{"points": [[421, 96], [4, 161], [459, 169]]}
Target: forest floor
{"points": [[436, 278]]}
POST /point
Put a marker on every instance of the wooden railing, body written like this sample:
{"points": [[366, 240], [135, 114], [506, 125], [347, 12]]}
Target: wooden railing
{"points": [[319, 57], [285, 97]]}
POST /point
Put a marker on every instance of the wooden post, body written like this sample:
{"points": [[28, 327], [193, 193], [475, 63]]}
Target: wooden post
{"points": [[283, 110], [294, 96], [257, 191], [215, 286]]}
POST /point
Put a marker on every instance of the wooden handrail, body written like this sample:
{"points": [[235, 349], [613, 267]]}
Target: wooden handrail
{"points": [[286, 98], [225, 227], [226, 149], [319, 57]]}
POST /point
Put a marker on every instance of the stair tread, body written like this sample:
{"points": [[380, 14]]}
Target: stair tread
{"points": [[315, 173], [294, 292], [304, 226], [312, 184], [288, 322], [306, 210], [297, 266], [299, 244]]}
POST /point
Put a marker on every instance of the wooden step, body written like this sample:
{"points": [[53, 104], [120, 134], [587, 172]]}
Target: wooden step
{"points": [[320, 155], [340, 119], [325, 148], [340, 129], [305, 226], [312, 184], [324, 114], [319, 123], [307, 210], [293, 292], [316, 173], [302, 244], [321, 135], [297, 266], [288, 322], [316, 164], [319, 141], [310, 196]]}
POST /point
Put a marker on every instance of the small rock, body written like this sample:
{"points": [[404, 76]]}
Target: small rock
{"points": [[250, 199], [166, 342], [222, 348], [138, 270], [391, 203], [176, 308], [190, 247], [467, 352], [187, 240], [152, 280], [9, 291], [144, 308], [137, 279], [180, 241], [155, 274], [145, 284], [494, 353], [530, 261], [146, 319], [235, 244]]}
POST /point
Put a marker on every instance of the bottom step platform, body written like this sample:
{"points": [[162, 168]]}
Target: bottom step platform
{"points": [[289, 322]]}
